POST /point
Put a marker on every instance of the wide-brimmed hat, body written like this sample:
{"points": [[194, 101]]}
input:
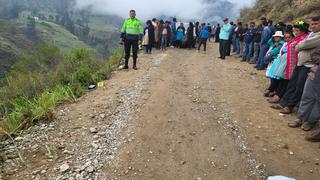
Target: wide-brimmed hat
{"points": [[278, 34]]}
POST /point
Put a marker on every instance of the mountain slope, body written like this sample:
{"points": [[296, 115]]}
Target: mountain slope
{"points": [[282, 10], [54, 34], [25, 23], [12, 42]]}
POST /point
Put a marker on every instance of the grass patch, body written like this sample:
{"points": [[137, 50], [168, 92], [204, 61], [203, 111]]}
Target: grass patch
{"points": [[28, 111], [58, 36], [38, 83]]}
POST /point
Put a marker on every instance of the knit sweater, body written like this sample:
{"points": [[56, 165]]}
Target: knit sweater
{"points": [[306, 47]]}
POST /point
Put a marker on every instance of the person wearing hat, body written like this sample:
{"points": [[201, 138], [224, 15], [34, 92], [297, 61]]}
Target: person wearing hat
{"points": [[224, 38], [279, 70], [295, 72], [297, 68], [296, 75], [275, 45], [309, 58]]}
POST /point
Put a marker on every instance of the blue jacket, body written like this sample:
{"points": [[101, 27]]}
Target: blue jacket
{"points": [[248, 36], [265, 36], [225, 31], [204, 33], [179, 36], [274, 49]]}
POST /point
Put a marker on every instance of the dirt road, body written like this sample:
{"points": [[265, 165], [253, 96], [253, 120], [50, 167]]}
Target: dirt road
{"points": [[182, 115]]}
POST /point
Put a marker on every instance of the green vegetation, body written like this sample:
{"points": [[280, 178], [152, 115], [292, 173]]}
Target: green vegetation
{"points": [[49, 54], [281, 10], [12, 41], [38, 83], [24, 24], [54, 34]]}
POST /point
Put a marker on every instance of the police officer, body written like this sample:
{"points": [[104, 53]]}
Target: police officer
{"points": [[131, 36]]}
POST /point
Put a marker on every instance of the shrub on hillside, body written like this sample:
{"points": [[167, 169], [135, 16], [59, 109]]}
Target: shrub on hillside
{"points": [[39, 82], [310, 7], [280, 10]]}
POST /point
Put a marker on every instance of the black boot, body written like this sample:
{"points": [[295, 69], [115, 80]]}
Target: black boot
{"points": [[135, 64], [126, 66], [315, 137]]}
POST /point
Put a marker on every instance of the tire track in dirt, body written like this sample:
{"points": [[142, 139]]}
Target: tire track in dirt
{"points": [[177, 133]]}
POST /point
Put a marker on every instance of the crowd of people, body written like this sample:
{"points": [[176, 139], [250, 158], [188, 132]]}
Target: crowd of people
{"points": [[289, 53], [161, 34]]}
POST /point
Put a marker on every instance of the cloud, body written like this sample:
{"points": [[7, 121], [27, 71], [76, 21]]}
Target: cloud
{"points": [[146, 9]]}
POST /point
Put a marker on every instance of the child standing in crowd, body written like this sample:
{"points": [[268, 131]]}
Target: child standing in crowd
{"points": [[204, 35], [180, 35]]}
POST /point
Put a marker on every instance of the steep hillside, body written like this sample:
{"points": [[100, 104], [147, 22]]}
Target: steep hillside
{"points": [[282, 10], [12, 42], [54, 34], [25, 23]]}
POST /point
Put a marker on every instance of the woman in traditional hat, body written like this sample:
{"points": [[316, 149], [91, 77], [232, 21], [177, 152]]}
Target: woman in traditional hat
{"points": [[275, 45], [296, 74], [280, 69]]}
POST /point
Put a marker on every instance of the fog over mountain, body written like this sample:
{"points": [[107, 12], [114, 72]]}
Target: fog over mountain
{"points": [[206, 10]]}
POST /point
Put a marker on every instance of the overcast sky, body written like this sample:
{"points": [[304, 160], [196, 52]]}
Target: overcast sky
{"points": [[146, 9]]}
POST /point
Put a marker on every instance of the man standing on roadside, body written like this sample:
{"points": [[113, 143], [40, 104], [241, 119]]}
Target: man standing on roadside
{"points": [[131, 36], [265, 36], [224, 38]]}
